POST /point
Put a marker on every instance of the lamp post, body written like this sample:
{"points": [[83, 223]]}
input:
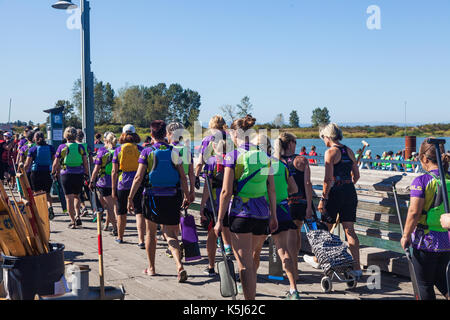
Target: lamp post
{"points": [[87, 77]]}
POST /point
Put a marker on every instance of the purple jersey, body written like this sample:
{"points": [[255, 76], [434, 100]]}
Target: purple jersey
{"points": [[61, 154]]}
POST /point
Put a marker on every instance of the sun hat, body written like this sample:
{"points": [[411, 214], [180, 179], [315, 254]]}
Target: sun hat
{"points": [[128, 128]]}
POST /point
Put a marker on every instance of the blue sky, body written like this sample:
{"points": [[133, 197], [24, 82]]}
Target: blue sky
{"points": [[283, 54]]}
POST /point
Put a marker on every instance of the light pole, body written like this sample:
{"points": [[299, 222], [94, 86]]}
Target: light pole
{"points": [[87, 77]]}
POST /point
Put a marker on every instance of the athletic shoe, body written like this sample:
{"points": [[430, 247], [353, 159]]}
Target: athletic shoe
{"points": [[119, 241], [141, 245], [84, 212], [292, 296], [210, 272], [169, 253], [357, 273], [51, 214], [239, 288], [228, 251], [310, 260], [114, 232]]}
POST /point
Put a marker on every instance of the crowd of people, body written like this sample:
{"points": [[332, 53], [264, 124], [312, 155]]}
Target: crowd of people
{"points": [[259, 188]]}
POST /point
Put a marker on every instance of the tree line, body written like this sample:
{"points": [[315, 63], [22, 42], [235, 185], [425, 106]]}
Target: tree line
{"points": [[137, 104]]}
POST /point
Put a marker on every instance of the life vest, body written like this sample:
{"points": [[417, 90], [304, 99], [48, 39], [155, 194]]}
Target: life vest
{"points": [[43, 158], [163, 172], [383, 165], [129, 157], [250, 181], [218, 172], [183, 151], [73, 157], [106, 166], [431, 217], [280, 177], [409, 166]]}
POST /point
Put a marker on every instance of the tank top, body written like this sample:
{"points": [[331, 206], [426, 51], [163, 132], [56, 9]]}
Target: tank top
{"points": [[342, 169], [299, 176]]}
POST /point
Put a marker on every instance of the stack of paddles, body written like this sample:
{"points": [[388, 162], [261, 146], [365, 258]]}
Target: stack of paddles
{"points": [[22, 232]]}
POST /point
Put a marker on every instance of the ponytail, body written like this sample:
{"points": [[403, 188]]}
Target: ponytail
{"points": [[428, 151], [446, 161], [39, 139]]}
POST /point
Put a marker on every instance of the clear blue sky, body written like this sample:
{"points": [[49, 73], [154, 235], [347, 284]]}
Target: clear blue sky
{"points": [[284, 54]]}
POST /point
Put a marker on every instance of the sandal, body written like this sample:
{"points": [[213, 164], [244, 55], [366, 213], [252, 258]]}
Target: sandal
{"points": [[148, 272], [182, 276]]}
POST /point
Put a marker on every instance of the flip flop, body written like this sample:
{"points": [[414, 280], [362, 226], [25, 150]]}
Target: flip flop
{"points": [[148, 273], [182, 276]]}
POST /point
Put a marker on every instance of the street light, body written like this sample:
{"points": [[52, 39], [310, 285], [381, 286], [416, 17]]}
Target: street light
{"points": [[87, 77]]}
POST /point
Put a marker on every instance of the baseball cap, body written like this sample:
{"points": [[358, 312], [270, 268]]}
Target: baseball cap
{"points": [[8, 134], [128, 128]]}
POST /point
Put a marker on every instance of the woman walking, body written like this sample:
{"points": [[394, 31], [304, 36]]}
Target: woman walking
{"points": [[300, 203], [71, 164], [101, 178], [163, 197], [250, 214], [424, 230], [124, 168], [339, 193], [40, 158]]}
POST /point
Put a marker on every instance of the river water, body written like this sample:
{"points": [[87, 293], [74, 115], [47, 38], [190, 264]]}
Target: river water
{"points": [[377, 145]]}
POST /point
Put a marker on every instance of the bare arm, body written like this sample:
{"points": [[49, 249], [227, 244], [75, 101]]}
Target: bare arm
{"points": [[355, 168], [308, 186], [137, 181], [414, 214], [85, 165], [273, 222], [292, 186], [27, 164], [191, 180], [56, 166], [329, 171], [114, 175], [183, 182], [95, 173], [225, 195]]}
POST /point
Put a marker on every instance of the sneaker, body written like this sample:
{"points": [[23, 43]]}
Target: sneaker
{"points": [[357, 273], [292, 296], [51, 214], [310, 260], [228, 251], [84, 212], [169, 253], [141, 245], [210, 272], [118, 241], [114, 232]]}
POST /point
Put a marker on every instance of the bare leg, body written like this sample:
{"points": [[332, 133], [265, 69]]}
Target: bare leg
{"points": [[150, 245], [258, 242], [293, 249], [140, 225], [211, 247], [111, 216], [281, 241], [171, 233], [70, 206], [353, 242], [121, 224], [242, 244]]}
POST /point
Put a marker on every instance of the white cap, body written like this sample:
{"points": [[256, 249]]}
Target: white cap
{"points": [[128, 128], [8, 134]]}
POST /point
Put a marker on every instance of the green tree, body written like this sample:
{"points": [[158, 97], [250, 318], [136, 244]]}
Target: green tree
{"points": [[320, 117], [71, 119], [279, 121], [294, 119], [229, 112], [245, 107]]}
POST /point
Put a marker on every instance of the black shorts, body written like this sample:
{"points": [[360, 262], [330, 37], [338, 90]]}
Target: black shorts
{"points": [[163, 210], [41, 181], [72, 183], [122, 204], [209, 214], [105, 192], [298, 210], [285, 226], [2, 170], [343, 200], [257, 227]]}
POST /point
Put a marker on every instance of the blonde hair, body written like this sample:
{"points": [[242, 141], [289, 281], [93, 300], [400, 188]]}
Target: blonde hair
{"points": [[264, 143], [111, 139], [217, 122], [172, 128], [282, 142], [70, 134], [331, 131]]}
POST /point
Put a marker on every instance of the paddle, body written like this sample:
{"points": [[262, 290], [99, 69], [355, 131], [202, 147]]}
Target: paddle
{"points": [[229, 283]]}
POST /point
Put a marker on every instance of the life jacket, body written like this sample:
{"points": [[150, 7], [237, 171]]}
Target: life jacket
{"points": [[431, 217], [388, 165], [183, 151], [73, 157], [43, 158], [280, 176], [218, 173], [250, 182], [163, 172], [312, 153], [383, 165], [106, 166], [409, 166], [129, 157]]}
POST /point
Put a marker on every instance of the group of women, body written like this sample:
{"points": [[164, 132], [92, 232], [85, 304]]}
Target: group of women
{"points": [[259, 188]]}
